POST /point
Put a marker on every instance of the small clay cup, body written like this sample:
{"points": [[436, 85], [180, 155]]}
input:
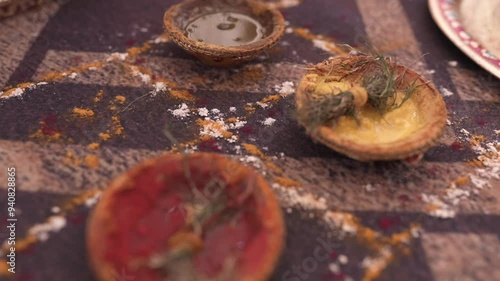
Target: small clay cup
{"points": [[179, 16]]}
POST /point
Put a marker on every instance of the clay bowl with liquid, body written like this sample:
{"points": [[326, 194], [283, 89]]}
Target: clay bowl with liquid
{"points": [[224, 33]]}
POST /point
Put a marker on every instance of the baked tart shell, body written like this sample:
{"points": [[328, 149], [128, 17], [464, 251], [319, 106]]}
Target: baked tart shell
{"points": [[429, 103], [104, 228]]}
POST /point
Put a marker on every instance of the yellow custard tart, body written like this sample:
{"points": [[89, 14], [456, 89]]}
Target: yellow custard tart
{"points": [[370, 108]]}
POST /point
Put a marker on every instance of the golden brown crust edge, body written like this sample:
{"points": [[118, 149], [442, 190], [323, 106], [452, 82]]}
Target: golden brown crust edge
{"points": [[426, 138], [99, 221]]}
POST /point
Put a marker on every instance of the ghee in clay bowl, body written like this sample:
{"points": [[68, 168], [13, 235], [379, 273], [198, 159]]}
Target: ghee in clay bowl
{"points": [[354, 124], [224, 32]]}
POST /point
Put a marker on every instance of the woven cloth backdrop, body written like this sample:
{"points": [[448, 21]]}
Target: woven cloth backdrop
{"points": [[85, 97]]}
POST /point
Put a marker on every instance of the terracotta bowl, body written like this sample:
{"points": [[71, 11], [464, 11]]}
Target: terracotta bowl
{"points": [[179, 16], [427, 101], [144, 226]]}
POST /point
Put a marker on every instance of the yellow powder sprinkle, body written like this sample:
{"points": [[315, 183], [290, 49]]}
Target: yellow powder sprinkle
{"points": [[53, 76], [99, 96], [253, 150], [25, 243], [113, 108], [117, 125], [21, 86], [4, 268], [104, 136], [431, 207], [214, 126], [232, 120], [271, 166], [253, 73], [272, 98], [476, 163], [82, 112], [119, 130], [22, 244], [135, 51], [92, 161], [93, 146], [78, 200], [461, 181], [250, 109], [182, 95], [287, 182], [71, 160], [120, 99], [56, 137], [329, 44]]}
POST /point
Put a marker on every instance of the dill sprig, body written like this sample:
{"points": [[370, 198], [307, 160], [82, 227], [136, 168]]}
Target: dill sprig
{"points": [[378, 75], [326, 108]]}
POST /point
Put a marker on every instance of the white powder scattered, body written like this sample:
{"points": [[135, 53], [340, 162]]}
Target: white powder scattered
{"points": [[73, 75], [292, 198], [237, 125], [289, 30], [431, 71], [90, 202], [478, 149], [232, 139], [16, 93], [203, 112], [232, 109], [119, 56], [439, 208], [263, 104], [380, 262], [269, 121], [334, 268], [478, 182], [448, 122], [453, 63], [416, 232], [43, 230], [214, 129], [237, 149], [144, 77], [160, 87], [343, 259], [321, 44], [445, 92], [92, 68], [455, 195], [160, 39], [369, 187], [344, 221], [285, 89], [55, 210], [181, 112], [255, 161], [215, 111]]}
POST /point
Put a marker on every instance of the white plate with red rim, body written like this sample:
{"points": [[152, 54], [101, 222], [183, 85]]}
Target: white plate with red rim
{"points": [[472, 26]]}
